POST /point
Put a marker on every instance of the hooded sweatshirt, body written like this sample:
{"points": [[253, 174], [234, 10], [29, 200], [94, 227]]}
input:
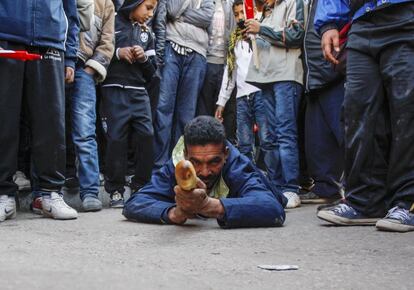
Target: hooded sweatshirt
{"points": [[127, 34]]}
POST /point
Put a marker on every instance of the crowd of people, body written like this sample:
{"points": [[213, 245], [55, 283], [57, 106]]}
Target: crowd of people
{"points": [[302, 101]]}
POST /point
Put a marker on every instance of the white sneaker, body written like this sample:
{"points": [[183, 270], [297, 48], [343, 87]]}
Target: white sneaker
{"points": [[293, 199], [55, 207], [21, 180], [7, 208]]}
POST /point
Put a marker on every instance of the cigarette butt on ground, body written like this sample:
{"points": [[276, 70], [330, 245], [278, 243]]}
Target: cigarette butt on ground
{"points": [[278, 267]]}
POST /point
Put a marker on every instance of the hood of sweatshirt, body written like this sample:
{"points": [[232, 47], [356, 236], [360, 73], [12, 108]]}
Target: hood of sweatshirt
{"points": [[128, 6]]}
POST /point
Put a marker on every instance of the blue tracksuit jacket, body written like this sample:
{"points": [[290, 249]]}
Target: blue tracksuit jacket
{"points": [[41, 23], [336, 13], [250, 203]]}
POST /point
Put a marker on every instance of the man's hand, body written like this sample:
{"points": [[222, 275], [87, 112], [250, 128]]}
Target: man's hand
{"points": [[330, 43], [191, 201], [69, 75], [177, 216], [89, 70], [126, 53], [139, 53], [219, 113], [197, 202], [252, 26]]}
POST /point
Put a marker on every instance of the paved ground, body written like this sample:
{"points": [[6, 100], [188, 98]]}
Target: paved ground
{"points": [[103, 251]]}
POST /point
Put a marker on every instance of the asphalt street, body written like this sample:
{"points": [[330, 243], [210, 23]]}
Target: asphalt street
{"points": [[104, 251]]}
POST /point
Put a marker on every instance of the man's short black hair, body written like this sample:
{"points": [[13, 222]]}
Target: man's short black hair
{"points": [[204, 130], [237, 3]]}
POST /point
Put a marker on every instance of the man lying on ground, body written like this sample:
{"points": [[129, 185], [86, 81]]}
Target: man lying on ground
{"points": [[229, 187]]}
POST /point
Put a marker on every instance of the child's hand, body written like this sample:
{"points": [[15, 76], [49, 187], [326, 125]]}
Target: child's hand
{"points": [[126, 54], [219, 113], [252, 26], [69, 75], [89, 70], [139, 53]]}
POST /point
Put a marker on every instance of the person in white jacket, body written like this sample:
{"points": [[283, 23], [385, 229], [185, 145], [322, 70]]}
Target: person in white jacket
{"points": [[250, 106]]}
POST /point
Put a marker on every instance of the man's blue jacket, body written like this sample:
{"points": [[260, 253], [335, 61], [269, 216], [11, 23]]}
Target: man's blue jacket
{"points": [[250, 203], [332, 14], [41, 23]]}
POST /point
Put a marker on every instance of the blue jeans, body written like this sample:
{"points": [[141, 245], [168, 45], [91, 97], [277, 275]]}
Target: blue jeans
{"points": [[250, 111], [82, 98], [182, 80], [282, 156]]}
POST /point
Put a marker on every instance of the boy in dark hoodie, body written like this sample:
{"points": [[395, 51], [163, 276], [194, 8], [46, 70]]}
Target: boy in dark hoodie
{"points": [[125, 102]]}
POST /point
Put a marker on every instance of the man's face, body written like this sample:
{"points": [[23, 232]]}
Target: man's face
{"points": [[144, 11], [238, 12], [208, 160]]}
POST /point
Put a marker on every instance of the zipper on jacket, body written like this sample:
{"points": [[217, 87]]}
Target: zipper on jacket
{"points": [[34, 6], [304, 47]]}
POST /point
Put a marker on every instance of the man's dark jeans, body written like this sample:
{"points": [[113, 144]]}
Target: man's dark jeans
{"points": [[380, 95], [207, 100], [324, 139]]}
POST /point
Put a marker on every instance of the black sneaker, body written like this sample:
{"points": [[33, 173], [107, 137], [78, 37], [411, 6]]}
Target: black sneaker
{"points": [[345, 215], [312, 198], [398, 219], [117, 200]]}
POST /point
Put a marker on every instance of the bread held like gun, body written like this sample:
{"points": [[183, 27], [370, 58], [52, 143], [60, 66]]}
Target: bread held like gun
{"points": [[185, 175]]}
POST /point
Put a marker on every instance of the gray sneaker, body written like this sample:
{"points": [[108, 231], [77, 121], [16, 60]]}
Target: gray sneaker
{"points": [[21, 180], [91, 203]]}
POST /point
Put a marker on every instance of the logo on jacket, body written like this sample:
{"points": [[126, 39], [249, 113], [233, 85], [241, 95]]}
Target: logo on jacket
{"points": [[144, 36]]}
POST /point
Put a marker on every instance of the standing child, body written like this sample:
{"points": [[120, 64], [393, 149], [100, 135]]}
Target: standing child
{"points": [[96, 49], [250, 107], [280, 75], [125, 102]]}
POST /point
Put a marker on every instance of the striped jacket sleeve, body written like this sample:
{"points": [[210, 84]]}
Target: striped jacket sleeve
{"points": [[292, 35]]}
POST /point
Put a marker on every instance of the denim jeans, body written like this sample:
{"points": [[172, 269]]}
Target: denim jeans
{"points": [[82, 99], [282, 156], [183, 77], [250, 111]]}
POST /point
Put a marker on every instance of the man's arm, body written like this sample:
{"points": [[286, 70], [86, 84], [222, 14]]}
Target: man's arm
{"points": [[175, 8], [72, 38], [86, 9], [104, 51], [331, 14], [292, 35], [202, 16], [153, 202], [255, 204], [227, 87], [330, 17], [159, 28]]}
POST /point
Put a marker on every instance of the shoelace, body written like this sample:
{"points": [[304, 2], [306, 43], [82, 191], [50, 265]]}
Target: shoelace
{"points": [[60, 202], [116, 196], [398, 213], [289, 195], [342, 207]]}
